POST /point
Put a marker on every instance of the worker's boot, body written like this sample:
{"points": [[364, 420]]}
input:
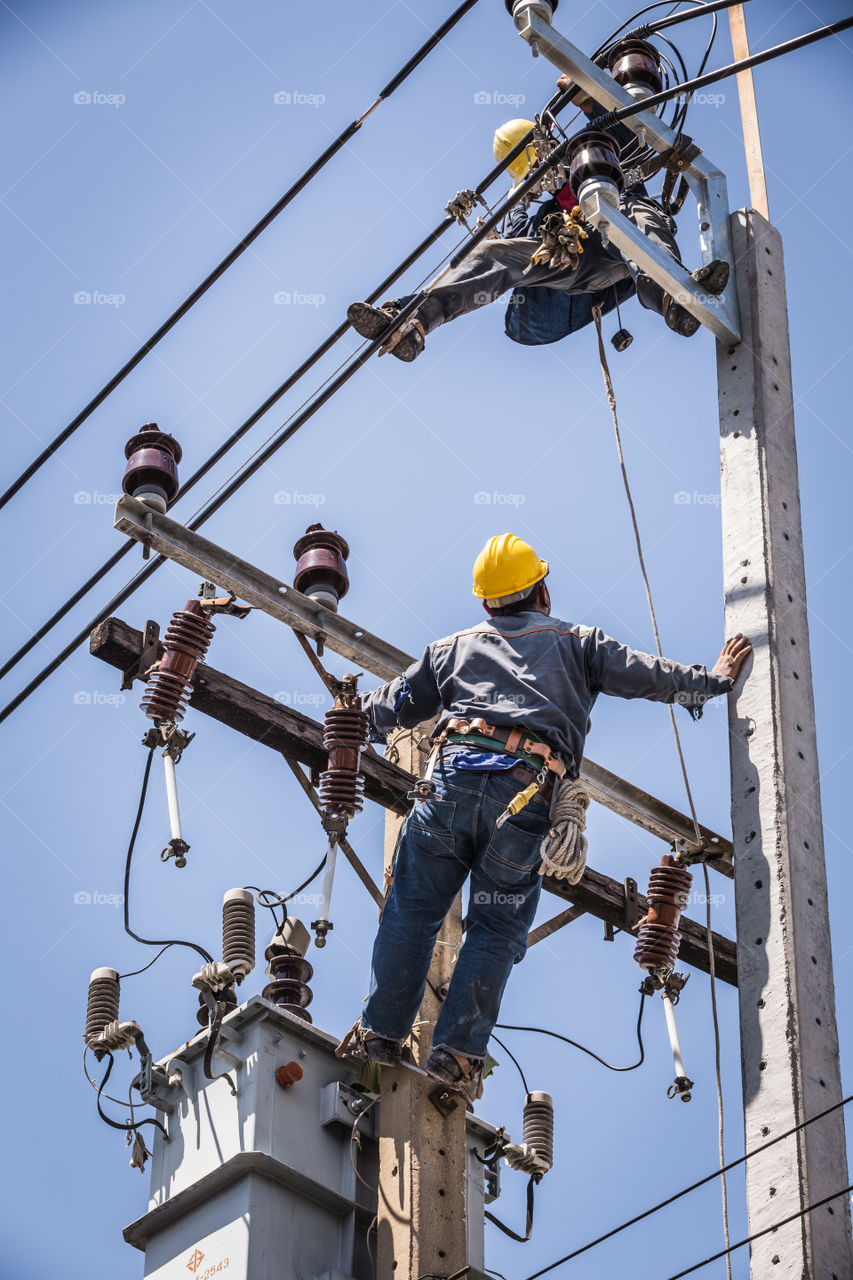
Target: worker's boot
{"points": [[446, 1067], [406, 343], [366, 1046], [714, 277]]}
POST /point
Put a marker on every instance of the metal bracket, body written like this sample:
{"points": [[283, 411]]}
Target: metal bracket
{"points": [[632, 906], [706, 181], [147, 658]]}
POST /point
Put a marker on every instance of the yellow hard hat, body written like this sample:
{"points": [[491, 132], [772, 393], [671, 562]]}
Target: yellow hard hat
{"points": [[506, 138], [506, 569]]}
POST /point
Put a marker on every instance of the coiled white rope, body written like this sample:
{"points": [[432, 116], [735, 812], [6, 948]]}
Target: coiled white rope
{"points": [[564, 848]]}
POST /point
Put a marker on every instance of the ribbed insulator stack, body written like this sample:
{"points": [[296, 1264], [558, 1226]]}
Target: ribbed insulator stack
{"points": [[289, 987], [238, 932], [539, 1125], [102, 1004], [345, 736], [185, 643], [658, 939]]}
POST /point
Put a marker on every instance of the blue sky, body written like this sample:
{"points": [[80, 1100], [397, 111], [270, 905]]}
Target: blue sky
{"points": [[131, 197]]}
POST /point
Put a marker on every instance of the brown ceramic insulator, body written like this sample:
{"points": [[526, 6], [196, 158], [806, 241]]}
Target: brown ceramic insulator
{"points": [[289, 987], [593, 154], [227, 998], [345, 737], [185, 643], [152, 459], [634, 62], [321, 557], [658, 938]]}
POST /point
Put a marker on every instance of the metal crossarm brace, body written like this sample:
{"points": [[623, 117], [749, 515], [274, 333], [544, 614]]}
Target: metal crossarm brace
{"points": [[281, 601], [706, 181]]}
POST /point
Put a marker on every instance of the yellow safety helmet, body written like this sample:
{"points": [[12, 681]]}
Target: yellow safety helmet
{"points": [[506, 138], [506, 569]]}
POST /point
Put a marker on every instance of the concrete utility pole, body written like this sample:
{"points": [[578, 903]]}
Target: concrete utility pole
{"points": [[789, 1040], [422, 1159]]}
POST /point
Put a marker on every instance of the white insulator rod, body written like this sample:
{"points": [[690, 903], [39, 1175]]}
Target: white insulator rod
{"points": [[675, 1043], [172, 796], [321, 924]]}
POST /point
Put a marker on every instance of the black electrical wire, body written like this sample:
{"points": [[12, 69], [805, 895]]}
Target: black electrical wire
{"points": [[506, 1026], [514, 1059], [694, 1186], [756, 1235], [213, 1037], [404, 315], [556, 103], [147, 942], [280, 902], [114, 1124], [238, 250], [712, 77], [528, 1219], [135, 972]]}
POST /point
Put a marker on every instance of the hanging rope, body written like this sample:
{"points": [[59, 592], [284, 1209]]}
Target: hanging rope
{"points": [[564, 847], [611, 399]]}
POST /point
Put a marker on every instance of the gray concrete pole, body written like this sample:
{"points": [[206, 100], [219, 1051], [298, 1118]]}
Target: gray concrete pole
{"points": [[789, 1039], [422, 1228]]}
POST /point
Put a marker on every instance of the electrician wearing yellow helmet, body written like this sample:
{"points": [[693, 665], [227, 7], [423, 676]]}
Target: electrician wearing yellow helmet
{"points": [[513, 694], [558, 290]]}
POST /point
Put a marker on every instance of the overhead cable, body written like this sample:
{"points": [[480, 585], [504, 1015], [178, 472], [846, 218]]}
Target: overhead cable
{"points": [[518, 193], [694, 1186], [238, 250]]}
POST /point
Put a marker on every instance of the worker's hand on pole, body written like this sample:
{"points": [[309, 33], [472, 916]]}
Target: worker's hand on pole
{"points": [[580, 99], [734, 654]]}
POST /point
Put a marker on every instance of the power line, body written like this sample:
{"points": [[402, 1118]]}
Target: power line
{"points": [[219, 453], [694, 1186], [402, 317], [555, 105], [260, 457], [756, 1235], [238, 250]]}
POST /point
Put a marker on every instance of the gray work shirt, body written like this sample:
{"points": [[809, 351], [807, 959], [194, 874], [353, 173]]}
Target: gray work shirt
{"points": [[533, 669]]}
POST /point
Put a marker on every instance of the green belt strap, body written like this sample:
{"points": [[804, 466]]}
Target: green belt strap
{"points": [[480, 740]]}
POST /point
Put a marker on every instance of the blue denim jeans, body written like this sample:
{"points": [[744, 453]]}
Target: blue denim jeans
{"points": [[447, 837]]}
